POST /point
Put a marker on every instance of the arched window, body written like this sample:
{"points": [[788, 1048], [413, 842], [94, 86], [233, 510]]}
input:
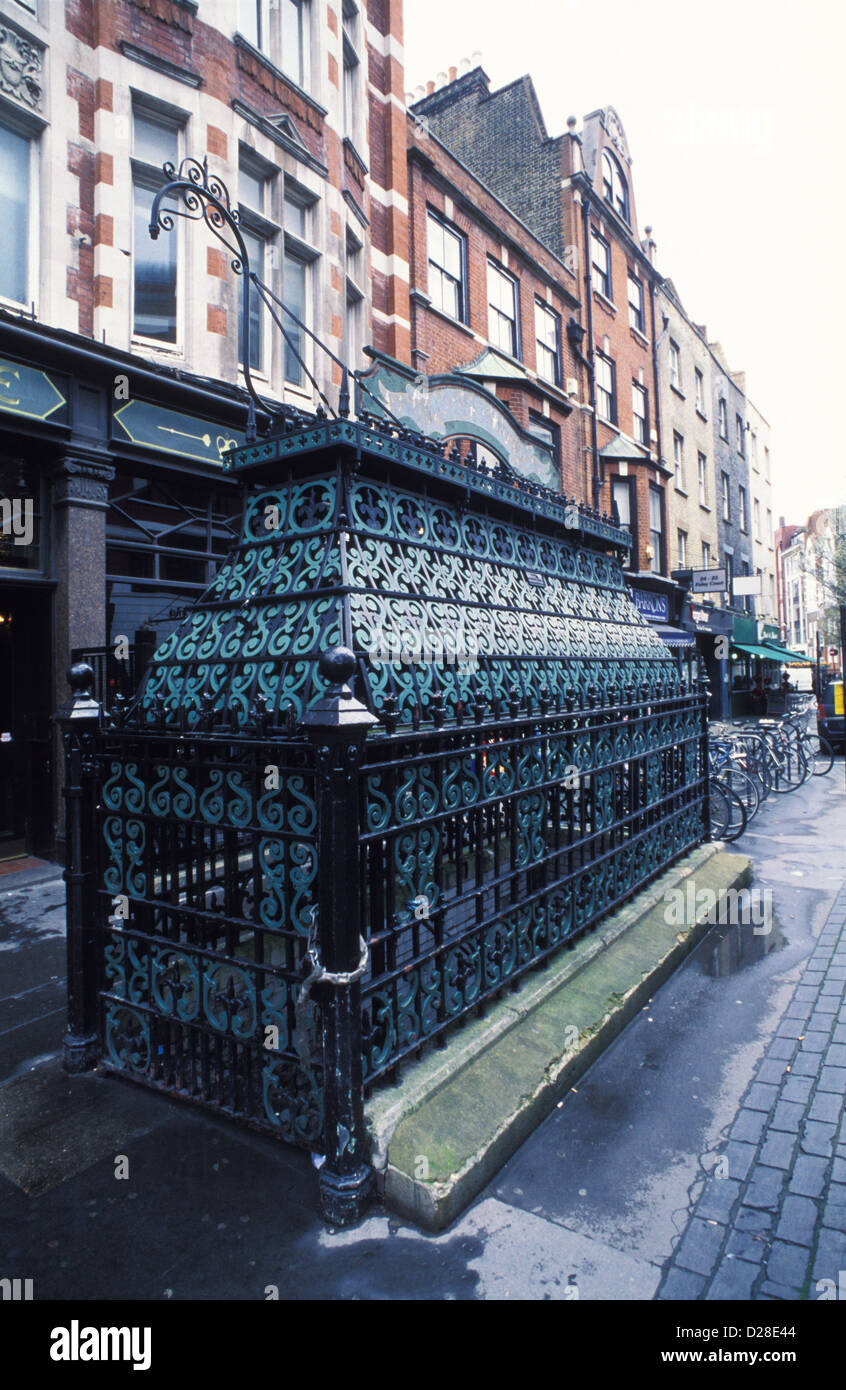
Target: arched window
{"points": [[614, 187]]}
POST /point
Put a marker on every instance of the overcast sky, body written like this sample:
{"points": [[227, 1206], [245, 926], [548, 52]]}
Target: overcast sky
{"points": [[731, 110]]}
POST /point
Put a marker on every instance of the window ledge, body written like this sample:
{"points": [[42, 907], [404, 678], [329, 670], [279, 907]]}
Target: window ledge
{"points": [[350, 148], [447, 318], [701, 415], [681, 491], [638, 336], [703, 506], [678, 392], [242, 43], [150, 345], [150, 59], [607, 303]]}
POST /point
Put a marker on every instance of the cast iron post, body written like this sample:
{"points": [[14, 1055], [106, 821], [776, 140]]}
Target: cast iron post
{"points": [[703, 690], [337, 727], [79, 719]]}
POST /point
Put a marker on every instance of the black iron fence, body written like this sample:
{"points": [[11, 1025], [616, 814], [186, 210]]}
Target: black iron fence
{"points": [[486, 848], [240, 905]]}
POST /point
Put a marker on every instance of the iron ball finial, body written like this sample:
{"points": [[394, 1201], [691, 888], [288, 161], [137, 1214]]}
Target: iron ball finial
{"points": [[336, 665], [81, 679]]}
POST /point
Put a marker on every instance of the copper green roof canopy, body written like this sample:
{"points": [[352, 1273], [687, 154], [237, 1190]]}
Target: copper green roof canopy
{"points": [[451, 583]]}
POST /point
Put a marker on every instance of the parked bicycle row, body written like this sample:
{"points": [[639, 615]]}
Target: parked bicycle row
{"points": [[752, 760]]}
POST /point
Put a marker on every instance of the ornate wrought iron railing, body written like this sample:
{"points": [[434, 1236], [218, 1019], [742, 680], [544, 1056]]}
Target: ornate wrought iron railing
{"points": [[205, 879], [280, 888], [485, 849]]}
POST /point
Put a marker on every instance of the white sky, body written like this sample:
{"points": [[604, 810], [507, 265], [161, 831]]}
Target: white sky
{"points": [[731, 110]]}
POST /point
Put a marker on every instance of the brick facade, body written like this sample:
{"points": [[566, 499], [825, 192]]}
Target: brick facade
{"points": [[490, 233], [549, 183], [107, 58]]}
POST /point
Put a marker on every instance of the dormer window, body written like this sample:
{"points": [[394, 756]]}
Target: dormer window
{"points": [[615, 190]]}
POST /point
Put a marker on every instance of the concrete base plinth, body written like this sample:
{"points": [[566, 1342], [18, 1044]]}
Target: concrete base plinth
{"points": [[461, 1112]]}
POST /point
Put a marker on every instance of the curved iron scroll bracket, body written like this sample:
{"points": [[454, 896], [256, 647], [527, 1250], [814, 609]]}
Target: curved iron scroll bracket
{"points": [[198, 196]]}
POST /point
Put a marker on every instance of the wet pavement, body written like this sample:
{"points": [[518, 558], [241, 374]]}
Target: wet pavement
{"points": [[612, 1197]]}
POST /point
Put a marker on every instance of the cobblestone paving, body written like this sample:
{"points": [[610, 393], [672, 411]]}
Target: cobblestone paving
{"points": [[775, 1223]]}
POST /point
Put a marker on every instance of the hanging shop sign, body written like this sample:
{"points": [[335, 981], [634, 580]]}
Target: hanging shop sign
{"points": [[655, 607], [708, 581], [171, 432]]}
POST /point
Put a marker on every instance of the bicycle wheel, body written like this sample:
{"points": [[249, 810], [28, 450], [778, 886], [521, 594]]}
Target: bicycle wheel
{"points": [[820, 754], [744, 785], [737, 817], [719, 811], [791, 767]]}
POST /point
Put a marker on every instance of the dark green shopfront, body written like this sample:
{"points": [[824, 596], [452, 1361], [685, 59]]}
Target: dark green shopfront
{"points": [[112, 470]]}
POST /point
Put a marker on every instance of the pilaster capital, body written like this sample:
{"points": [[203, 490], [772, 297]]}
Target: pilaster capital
{"points": [[82, 479]]}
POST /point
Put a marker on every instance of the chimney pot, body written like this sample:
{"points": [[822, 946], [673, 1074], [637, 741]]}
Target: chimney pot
{"points": [[453, 73], [430, 87]]}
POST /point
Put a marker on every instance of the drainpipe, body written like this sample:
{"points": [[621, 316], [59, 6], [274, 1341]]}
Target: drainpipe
{"points": [[594, 438], [656, 392]]}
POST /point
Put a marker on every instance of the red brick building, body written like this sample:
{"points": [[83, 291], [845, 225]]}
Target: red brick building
{"points": [[567, 205], [490, 302]]}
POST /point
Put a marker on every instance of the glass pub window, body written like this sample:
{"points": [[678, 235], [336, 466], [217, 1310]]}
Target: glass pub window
{"points": [[155, 262], [600, 265], [446, 268], [636, 314], [615, 190], [293, 26], [256, 246], [702, 464], [605, 402], [251, 21], [621, 498], [678, 458], [656, 528], [547, 329], [351, 66], [16, 198], [640, 413], [675, 365], [295, 295], [502, 310]]}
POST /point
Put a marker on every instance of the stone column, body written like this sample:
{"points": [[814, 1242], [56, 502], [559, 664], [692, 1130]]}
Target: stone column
{"points": [[79, 501]]}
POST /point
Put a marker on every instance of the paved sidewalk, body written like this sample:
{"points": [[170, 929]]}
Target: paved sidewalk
{"points": [[771, 1220]]}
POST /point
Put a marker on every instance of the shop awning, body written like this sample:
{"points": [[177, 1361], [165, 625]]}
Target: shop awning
{"points": [[760, 653], [675, 636], [792, 658]]}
